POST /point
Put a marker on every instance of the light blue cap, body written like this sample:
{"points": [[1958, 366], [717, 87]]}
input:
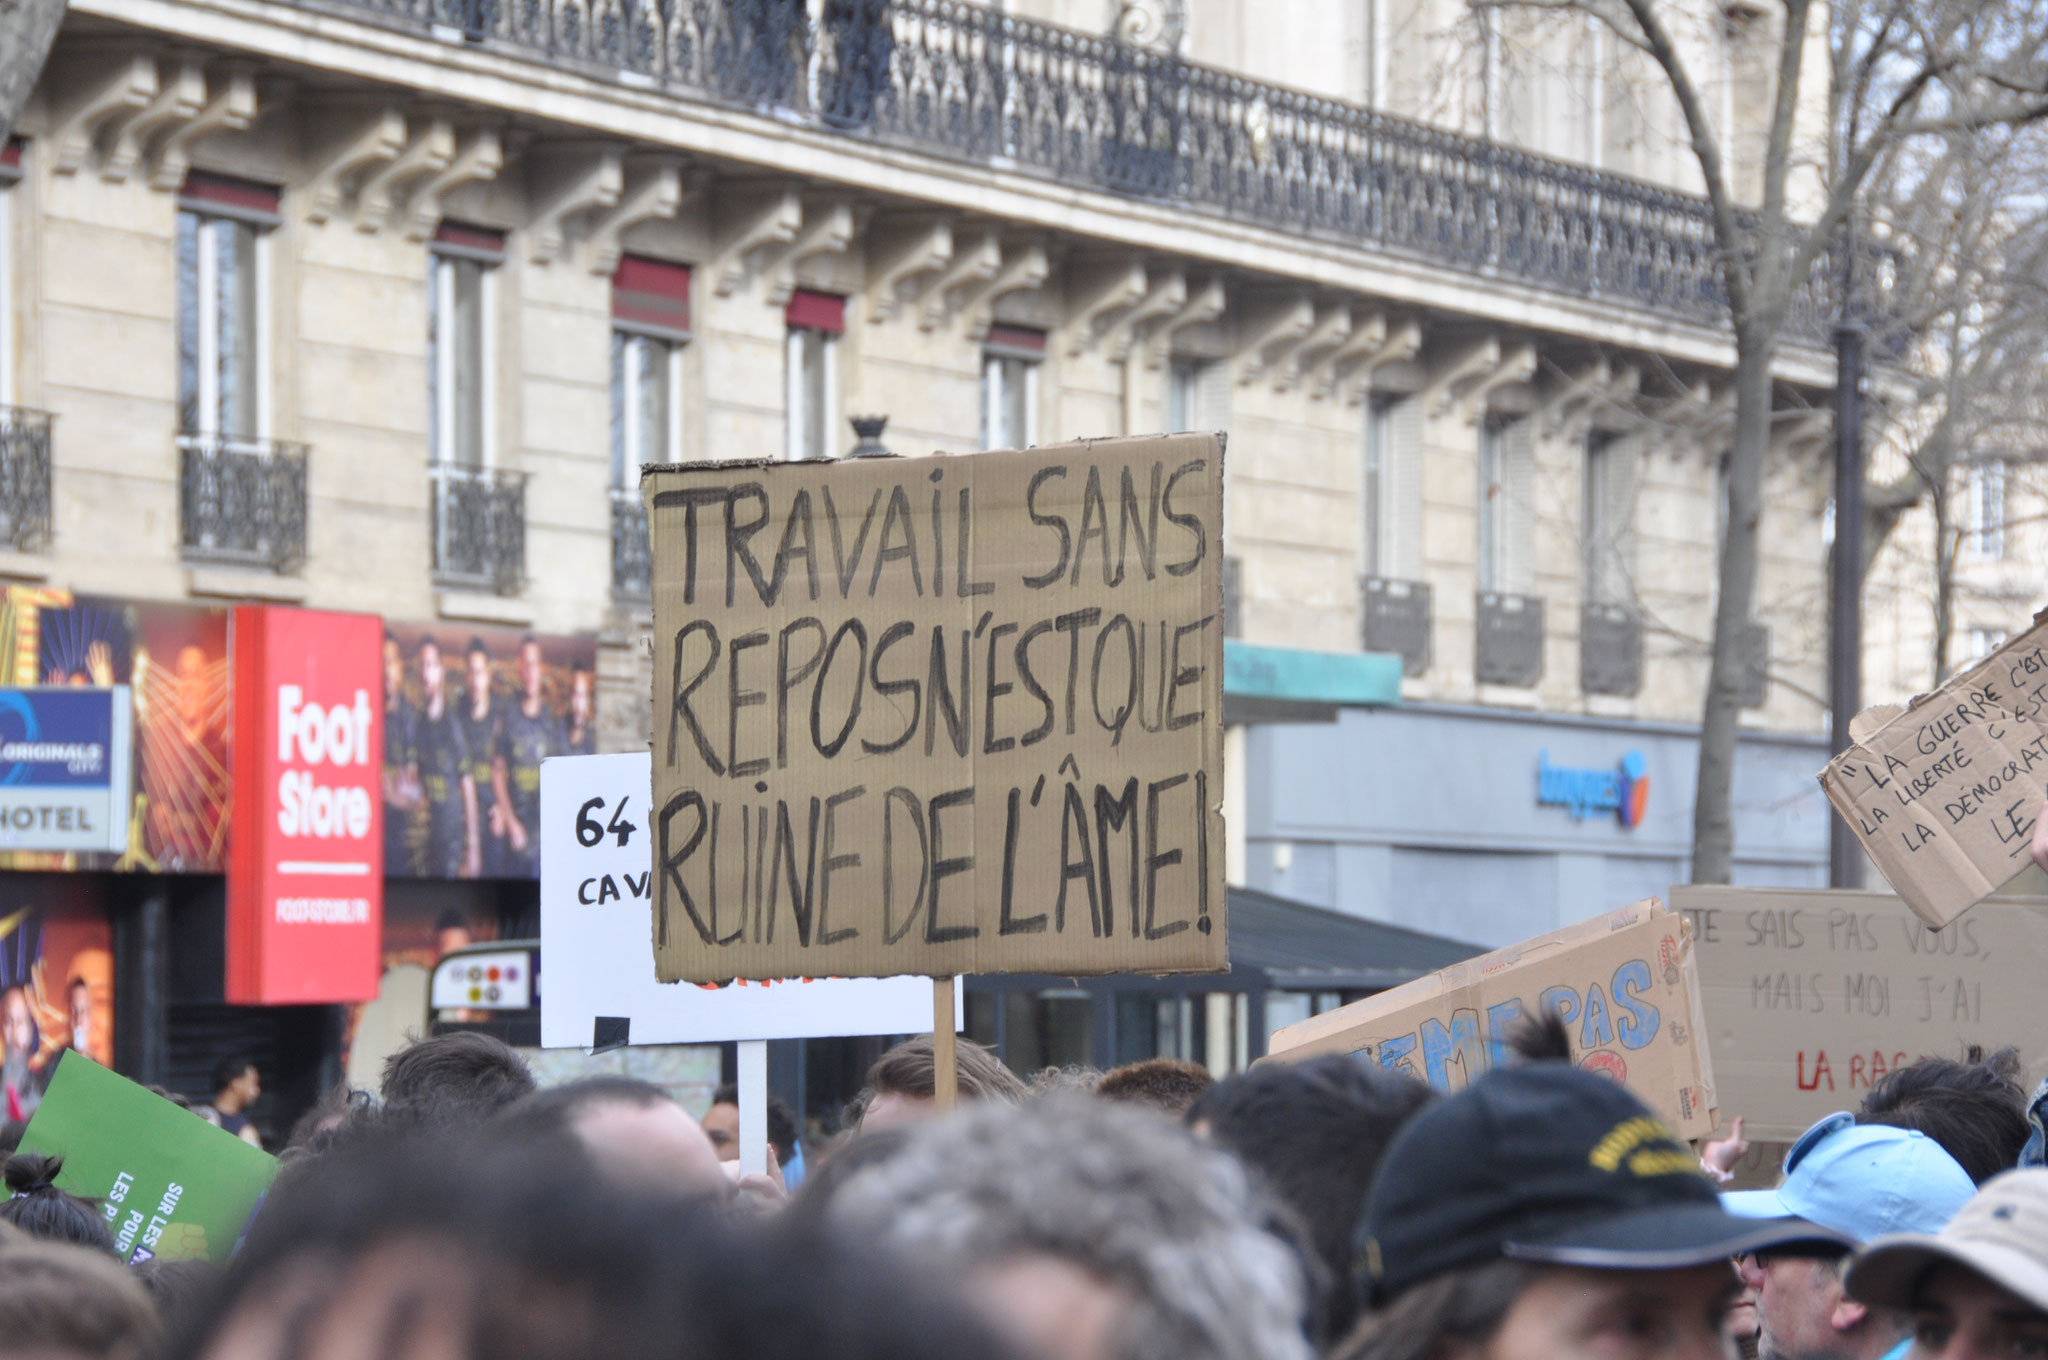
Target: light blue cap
{"points": [[1862, 1181]]}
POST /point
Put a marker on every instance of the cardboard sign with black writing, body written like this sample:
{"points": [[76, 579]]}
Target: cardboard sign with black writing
{"points": [[1813, 995], [1943, 794], [1624, 983], [940, 715]]}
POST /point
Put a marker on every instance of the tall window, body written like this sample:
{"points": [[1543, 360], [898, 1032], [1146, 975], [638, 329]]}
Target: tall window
{"points": [[1607, 495], [459, 320], [815, 321], [222, 278], [1983, 642], [1009, 387], [1198, 395], [1984, 509], [1492, 502], [1372, 486], [10, 175], [650, 326]]}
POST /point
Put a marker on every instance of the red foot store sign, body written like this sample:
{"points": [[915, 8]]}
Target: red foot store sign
{"points": [[306, 861]]}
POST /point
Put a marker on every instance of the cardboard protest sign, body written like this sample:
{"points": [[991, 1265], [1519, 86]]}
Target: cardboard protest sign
{"points": [[1943, 793], [169, 1183], [1812, 996], [1624, 983], [940, 715], [596, 933]]}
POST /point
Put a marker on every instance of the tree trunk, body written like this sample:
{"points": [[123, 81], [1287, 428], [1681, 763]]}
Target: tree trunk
{"points": [[1713, 815], [27, 28]]}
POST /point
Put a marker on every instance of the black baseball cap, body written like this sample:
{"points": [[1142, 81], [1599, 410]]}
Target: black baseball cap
{"points": [[1554, 1164]]}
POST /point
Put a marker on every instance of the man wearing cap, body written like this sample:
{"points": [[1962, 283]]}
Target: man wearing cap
{"points": [[1543, 1213], [1860, 1182], [1976, 1290]]}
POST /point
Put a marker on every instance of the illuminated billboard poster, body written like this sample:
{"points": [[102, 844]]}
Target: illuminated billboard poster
{"points": [[64, 768]]}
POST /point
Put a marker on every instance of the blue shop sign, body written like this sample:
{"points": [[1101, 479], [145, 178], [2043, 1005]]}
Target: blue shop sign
{"points": [[65, 768], [1623, 790]]}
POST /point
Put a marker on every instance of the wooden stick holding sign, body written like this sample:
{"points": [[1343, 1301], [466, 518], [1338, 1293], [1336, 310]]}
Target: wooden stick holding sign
{"points": [[945, 1051]]}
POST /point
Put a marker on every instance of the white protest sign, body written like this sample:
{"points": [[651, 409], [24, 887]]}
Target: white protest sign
{"points": [[597, 937]]}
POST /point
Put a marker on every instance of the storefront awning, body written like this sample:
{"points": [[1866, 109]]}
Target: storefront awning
{"points": [[1289, 684], [1309, 949]]}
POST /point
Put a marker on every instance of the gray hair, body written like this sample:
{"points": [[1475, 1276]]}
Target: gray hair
{"points": [[1113, 1190]]}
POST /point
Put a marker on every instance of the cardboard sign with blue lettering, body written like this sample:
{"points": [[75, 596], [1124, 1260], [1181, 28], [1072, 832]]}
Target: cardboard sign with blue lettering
{"points": [[1625, 984]]}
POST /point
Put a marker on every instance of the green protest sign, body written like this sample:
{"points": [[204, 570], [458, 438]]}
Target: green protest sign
{"points": [[169, 1183]]}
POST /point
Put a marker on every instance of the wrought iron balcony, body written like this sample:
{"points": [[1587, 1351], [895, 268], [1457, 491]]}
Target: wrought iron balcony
{"points": [[632, 558], [967, 81], [242, 501], [24, 479], [479, 527]]}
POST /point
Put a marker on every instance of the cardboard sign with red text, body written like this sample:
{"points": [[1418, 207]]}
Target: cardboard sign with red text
{"points": [[1812, 995], [1624, 983], [1943, 793], [305, 867]]}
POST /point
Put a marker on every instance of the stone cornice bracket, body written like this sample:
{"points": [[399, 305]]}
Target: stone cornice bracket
{"points": [[1026, 267], [1199, 308], [903, 247], [429, 151], [478, 160], [1273, 333], [230, 107], [829, 227], [1570, 401], [1802, 434], [1166, 295], [749, 217], [569, 181], [980, 260], [1332, 329], [654, 190], [1400, 344], [108, 88], [1462, 383], [179, 99], [1697, 415], [373, 136], [1367, 335], [1096, 293]]}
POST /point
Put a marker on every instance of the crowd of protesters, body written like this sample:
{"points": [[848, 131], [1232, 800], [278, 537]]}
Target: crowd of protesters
{"points": [[1328, 1208]]}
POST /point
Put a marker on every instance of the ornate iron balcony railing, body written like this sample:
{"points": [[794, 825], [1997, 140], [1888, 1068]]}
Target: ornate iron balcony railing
{"points": [[242, 501], [968, 81], [24, 479], [479, 527], [632, 557]]}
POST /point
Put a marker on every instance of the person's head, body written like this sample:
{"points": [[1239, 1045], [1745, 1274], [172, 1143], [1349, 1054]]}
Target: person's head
{"points": [[458, 1079], [580, 694], [631, 1131], [10, 1136], [451, 932], [423, 1248], [394, 667], [722, 1125], [1167, 1085], [337, 1107], [17, 1023], [1544, 1211], [477, 664], [59, 1301], [1976, 1290], [78, 1000], [901, 1085], [529, 666], [1860, 1182], [1087, 1229], [1976, 1109], [1316, 1132], [433, 675], [40, 1209], [179, 1289], [236, 1084]]}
